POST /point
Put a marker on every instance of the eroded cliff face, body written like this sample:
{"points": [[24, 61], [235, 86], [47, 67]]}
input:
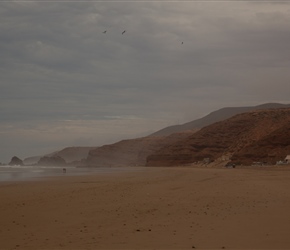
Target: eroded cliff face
{"points": [[269, 149], [216, 116], [253, 136]]}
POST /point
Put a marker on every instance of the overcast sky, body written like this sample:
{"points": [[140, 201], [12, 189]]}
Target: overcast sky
{"points": [[63, 82]]}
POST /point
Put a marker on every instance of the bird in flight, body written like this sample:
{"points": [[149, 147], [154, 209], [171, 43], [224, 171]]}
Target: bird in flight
{"points": [[105, 32], [123, 32]]}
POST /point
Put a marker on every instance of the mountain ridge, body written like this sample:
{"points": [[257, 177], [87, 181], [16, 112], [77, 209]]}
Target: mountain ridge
{"points": [[71, 155], [215, 116], [228, 139], [135, 152]]}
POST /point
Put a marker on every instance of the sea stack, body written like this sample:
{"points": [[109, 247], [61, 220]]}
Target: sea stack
{"points": [[15, 161]]}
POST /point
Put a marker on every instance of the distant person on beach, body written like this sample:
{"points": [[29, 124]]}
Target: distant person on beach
{"points": [[64, 170]]}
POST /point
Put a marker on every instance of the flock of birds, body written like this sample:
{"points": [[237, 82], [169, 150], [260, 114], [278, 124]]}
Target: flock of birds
{"points": [[105, 31]]}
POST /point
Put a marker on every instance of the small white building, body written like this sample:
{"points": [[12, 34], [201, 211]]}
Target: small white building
{"points": [[287, 159]]}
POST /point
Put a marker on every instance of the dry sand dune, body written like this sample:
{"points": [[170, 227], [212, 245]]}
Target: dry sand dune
{"points": [[159, 208]]}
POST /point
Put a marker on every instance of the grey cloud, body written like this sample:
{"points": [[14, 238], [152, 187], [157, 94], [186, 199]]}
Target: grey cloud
{"points": [[56, 64]]}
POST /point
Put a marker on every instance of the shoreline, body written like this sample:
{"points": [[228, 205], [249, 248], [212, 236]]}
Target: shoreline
{"points": [[160, 208], [35, 173]]}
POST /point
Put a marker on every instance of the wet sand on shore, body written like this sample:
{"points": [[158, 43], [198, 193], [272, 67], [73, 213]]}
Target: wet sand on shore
{"points": [[159, 208]]}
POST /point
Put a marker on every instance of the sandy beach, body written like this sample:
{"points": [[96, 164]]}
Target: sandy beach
{"points": [[158, 208]]}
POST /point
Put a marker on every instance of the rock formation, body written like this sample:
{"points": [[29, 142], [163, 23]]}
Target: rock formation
{"points": [[253, 136], [15, 161], [216, 116]]}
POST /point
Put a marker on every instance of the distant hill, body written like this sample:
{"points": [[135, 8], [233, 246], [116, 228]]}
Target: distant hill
{"points": [[34, 159], [130, 152], [216, 116], [134, 152], [261, 135], [69, 154], [74, 154]]}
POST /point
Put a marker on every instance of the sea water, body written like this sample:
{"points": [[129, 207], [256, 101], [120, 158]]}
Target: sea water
{"points": [[22, 173]]}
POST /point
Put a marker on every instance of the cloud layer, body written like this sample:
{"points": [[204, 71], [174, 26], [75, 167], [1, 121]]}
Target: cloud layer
{"points": [[64, 82]]}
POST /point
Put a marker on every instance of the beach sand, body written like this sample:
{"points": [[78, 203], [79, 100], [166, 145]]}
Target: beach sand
{"points": [[158, 208]]}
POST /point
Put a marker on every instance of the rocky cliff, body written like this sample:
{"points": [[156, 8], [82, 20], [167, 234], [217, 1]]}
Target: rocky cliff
{"points": [[253, 136], [216, 116], [270, 149], [15, 161]]}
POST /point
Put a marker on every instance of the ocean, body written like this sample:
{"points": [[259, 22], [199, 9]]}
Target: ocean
{"points": [[24, 173]]}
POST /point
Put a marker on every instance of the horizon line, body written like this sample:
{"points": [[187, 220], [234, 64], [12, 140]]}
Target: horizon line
{"points": [[143, 1]]}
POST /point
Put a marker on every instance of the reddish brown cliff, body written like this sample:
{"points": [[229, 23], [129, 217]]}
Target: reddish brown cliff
{"points": [[270, 149], [244, 137], [216, 116]]}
